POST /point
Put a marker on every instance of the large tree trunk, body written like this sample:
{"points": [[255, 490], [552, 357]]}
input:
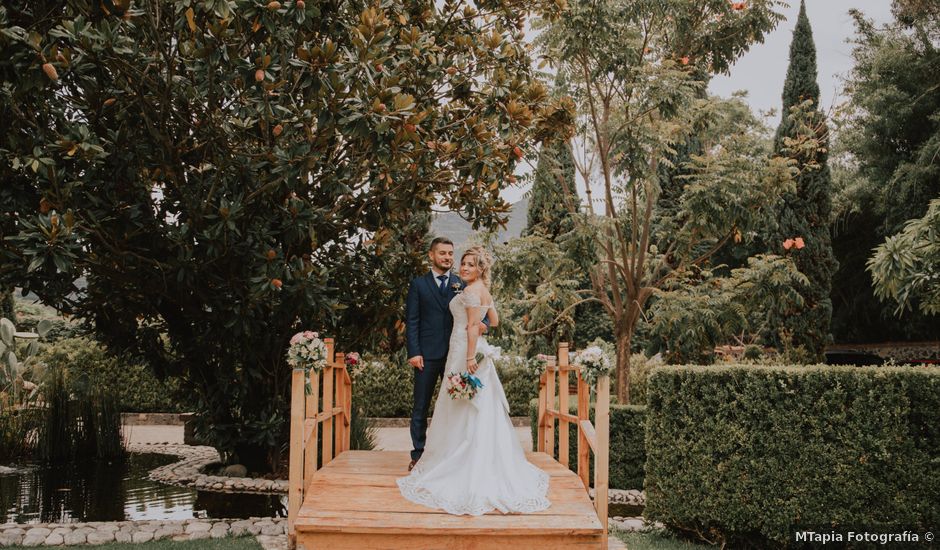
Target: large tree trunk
{"points": [[624, 328], [624, 339]]}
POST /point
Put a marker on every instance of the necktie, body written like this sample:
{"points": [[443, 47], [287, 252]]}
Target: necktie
{"points": [[443, 279]]}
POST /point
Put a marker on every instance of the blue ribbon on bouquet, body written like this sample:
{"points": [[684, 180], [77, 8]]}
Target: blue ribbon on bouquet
{"points": [[473, 381]]}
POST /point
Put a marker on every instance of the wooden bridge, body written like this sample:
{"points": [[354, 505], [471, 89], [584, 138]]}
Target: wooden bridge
{"points": [[344, 499]]}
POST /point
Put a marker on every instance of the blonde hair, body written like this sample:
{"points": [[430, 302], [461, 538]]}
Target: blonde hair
{"points": [[484, 262]]}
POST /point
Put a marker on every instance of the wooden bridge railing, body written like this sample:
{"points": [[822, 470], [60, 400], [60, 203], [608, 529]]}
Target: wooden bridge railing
{"points": [[327, 403], [591, 436]]}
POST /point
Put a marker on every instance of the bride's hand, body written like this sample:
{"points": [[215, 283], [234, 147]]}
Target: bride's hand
{"points": [[472, 366]]}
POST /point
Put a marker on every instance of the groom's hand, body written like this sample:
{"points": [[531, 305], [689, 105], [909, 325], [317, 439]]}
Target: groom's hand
{"points": [[417, 362], [483, 327]]}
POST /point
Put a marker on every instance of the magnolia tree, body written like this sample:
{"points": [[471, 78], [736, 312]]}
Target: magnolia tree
{"points": [[224, 173], [638, 73]]}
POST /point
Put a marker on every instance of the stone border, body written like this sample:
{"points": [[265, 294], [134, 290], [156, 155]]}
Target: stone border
{"points": [[100, 532], [188, 471], [638, 523], [633, 497]]}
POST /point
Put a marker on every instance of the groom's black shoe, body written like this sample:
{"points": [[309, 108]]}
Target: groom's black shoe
{"points": [[412, 465]]}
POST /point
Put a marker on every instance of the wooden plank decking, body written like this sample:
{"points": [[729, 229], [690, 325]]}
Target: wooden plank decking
{"points": [[353, 503]]}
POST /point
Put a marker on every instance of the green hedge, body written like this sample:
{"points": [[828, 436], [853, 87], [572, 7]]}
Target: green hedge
{"points": [[385, 389], [627, 443], [137, 389], [748, 454]]}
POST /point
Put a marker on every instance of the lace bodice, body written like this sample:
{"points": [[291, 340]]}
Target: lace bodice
{"points": [[458, 308]]}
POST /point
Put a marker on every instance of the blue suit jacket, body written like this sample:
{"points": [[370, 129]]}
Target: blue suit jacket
{"points": [[428, 322]]}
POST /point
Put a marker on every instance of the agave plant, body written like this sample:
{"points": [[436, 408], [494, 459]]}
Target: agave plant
{"points": [[16, 387]]}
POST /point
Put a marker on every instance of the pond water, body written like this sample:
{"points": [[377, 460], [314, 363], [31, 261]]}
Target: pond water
{"points": [[100, 491]]}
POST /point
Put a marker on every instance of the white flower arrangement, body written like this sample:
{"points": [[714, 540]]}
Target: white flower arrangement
{"points": [[594, 363], [307, 351]]}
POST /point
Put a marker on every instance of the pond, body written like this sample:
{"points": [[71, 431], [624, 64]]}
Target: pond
{"points": [[98, 491]]}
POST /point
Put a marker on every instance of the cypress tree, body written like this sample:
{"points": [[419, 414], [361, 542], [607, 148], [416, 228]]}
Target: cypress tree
{"points": [[549, 215], [554, 184], [805, 213]]}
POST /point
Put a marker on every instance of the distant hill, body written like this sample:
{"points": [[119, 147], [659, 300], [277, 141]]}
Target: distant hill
{"points": [[451, 225]]}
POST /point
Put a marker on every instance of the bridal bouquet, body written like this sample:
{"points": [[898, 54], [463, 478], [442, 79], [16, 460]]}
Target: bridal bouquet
{"points": [[594, 363], [463, 385], [307, 351]]}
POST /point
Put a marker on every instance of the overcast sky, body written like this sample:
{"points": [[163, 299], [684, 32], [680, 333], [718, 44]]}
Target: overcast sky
{"points": [[762, 70]]}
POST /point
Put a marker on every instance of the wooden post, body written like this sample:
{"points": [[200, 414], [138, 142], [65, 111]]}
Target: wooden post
{"points": [[310, 417], [549, 405], [329, 374], [540, 418], [602, 457], [584, 449], [563, 424], [295, 492], [340, 434], [348, 411]]}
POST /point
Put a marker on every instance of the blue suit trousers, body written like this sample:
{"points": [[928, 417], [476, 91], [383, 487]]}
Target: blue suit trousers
{"points": [[424, 389]]}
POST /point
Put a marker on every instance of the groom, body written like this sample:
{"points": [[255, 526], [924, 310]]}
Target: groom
{"points": [[428, 327]]}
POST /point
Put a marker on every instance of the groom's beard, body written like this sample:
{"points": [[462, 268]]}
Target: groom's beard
{"points": [[443, 269]]}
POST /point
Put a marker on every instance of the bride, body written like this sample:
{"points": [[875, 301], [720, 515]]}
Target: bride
{"points": [[473, 462]]}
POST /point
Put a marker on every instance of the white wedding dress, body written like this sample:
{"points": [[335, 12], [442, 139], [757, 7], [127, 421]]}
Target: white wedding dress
{"points": [[473, 462]]}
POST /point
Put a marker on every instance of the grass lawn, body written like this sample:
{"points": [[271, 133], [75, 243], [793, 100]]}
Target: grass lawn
{"points": [[242, 543], [653, 540]]}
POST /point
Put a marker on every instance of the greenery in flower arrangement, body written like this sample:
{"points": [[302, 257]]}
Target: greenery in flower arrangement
{"points": [[223, 172]]}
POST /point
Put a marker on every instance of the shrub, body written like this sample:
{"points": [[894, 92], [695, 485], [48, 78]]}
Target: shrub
{"points": [[137, 389], [746, 454], [77, 423], [384, 388], [28, 316], [627, 444], [17, 432], [362, 433]]}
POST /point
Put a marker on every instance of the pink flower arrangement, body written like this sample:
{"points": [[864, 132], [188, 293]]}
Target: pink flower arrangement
{"points": [[354, 364], [300, 336], [463, 385]]}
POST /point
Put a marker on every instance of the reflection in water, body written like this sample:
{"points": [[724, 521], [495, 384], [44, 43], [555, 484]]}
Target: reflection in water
{"points": [[224, 505], [100, 491]]}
